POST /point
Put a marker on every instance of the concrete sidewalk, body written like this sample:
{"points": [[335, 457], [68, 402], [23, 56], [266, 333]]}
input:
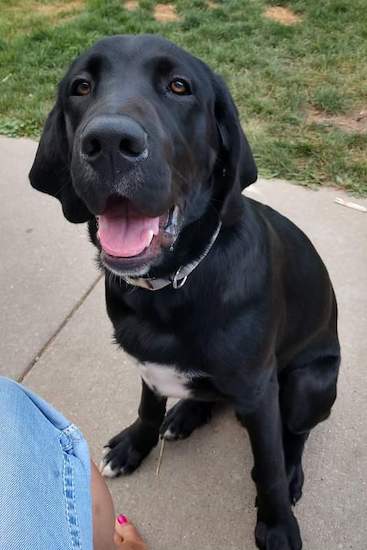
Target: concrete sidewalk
{"points": [[57, 338]]}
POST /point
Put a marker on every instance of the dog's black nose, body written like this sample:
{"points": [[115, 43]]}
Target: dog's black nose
{"points": [[111, 136]]}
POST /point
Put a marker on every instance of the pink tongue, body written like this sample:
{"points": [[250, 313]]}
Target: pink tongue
{"points": [[124, 232]]}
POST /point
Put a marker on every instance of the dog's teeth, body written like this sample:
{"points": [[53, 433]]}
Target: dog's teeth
{"points": [[175, 214], [171, 226], [150, 235]]}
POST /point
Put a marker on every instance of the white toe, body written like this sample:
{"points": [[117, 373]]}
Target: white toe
{"points": [[169, 435], [107, 471]]}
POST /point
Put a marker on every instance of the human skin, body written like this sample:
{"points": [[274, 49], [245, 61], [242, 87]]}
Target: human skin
{"points": [[109, 532]]}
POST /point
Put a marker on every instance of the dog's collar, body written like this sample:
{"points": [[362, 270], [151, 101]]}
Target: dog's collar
{"points": [[177, 279]]}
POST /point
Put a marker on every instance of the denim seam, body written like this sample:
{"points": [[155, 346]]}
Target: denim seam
{"points": [[69, 492], [72, 431]]}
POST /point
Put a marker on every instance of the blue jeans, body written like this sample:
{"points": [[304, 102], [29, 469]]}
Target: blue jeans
{"points": [[45, 496]]}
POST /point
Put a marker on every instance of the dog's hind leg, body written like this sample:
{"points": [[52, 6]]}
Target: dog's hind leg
{"points": [[184, 417], [307, 394]]}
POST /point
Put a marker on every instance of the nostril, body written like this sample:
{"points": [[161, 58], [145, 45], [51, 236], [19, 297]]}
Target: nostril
{"points": [[132, 147], [92, 147]]}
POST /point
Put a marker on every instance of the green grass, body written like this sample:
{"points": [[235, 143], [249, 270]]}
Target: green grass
{"points": [[278, 74]]}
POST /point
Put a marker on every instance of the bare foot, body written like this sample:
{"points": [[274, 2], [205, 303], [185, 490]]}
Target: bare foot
{"points": [[126, 536]]}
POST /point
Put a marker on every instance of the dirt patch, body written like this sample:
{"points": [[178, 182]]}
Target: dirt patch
{"points": [[57, 8], [51, 11], [166, 13], [285, 16], [212, 5], [131, 5], [352, 123]]}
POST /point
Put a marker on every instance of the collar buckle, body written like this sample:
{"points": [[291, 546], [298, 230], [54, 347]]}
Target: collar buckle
{"points": [[176, 282]]}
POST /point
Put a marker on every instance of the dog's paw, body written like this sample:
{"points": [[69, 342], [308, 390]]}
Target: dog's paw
{"points": [[184, 418], [125, 452], [122, 459], [284, 535]]}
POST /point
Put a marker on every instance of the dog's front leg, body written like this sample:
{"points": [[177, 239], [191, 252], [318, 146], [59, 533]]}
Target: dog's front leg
{"points": [[125, 451], [276, 527]]}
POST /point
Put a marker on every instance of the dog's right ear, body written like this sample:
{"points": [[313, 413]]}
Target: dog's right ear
{"points": [[50, 172]]}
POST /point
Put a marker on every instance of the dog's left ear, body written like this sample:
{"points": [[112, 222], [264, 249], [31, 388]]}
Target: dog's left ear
{"points": [[236, 168], [50, 171]]}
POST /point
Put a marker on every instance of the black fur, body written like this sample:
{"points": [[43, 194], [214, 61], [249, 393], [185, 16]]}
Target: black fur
{"points": [[257, 317]]}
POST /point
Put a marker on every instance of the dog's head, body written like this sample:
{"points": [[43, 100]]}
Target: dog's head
{"points": [[143, 142]]}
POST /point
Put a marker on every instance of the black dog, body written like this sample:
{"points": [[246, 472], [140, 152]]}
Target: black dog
{"points": [[215, 295]]}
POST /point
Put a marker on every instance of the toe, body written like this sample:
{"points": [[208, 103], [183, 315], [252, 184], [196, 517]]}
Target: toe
{"points": [[125, 532]]}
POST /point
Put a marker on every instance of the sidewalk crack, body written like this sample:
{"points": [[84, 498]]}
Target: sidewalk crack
{"points": [[53, 337]]}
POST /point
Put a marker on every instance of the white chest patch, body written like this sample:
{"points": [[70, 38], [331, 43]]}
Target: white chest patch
{"points": [[166, 380]]}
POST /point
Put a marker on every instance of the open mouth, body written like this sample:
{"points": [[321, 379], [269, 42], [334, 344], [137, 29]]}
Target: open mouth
{"points": [[130, 239]]}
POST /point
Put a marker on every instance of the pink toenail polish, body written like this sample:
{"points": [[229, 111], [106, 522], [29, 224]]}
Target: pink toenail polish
{"points": [[122, 519]]}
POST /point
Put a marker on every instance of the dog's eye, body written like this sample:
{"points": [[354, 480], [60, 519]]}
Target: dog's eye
{"points": [[180, 86], [81, 87]]}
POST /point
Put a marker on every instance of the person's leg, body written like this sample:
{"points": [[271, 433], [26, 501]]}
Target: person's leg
{"points": [[103, 512], [45, 497], [46, 487]]}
